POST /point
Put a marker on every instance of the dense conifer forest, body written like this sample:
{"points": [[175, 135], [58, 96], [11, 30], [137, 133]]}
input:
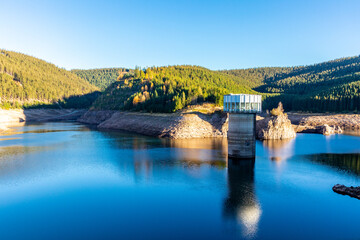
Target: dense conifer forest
{"points": [[167, 89], [28, 81], [330, 86], [102, 77]]}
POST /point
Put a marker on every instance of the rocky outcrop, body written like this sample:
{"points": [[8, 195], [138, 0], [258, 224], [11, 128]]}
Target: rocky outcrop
{"points": [[275, 127], [321, 129], [184, 125], [316, 123], [177, 125], [329, 130], [351, 191]]}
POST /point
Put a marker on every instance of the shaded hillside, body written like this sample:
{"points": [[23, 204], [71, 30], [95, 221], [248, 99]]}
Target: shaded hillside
{"points": [[26, 81], [102, 77], [167, 89], [255, 77], [328, 86]]}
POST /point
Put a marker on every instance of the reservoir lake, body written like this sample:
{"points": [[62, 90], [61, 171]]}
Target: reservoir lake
{"points": [[64, 180]]}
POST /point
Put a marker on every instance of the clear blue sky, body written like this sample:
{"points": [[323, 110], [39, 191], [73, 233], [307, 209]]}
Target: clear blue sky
{"points": [[215, 34]]}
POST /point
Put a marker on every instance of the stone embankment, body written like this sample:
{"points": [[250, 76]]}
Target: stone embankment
{"points": [[198, 125], [351, 191], [189, 124], [176, 125]]}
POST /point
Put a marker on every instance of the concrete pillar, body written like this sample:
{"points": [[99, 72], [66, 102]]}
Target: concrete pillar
{"points": [[241, 136]]}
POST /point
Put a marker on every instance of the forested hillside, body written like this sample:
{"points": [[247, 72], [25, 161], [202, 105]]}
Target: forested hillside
{"points": [[167, 89], [102, 77], [25, 80], [328, 86], [331, 86]]}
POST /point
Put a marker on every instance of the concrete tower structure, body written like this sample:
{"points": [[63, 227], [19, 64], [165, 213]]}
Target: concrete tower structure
{"points": [[242, 109]]}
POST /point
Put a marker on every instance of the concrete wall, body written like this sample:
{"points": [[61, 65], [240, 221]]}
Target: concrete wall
{"points": [[241, 136]]}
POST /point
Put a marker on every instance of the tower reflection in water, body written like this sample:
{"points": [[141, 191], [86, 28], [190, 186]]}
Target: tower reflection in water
{"points": [[279, 150], [241, 203]]}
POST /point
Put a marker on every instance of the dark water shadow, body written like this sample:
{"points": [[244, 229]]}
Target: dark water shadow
{"points": [[348, 163]]}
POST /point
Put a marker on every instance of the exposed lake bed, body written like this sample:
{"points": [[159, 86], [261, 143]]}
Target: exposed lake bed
{"points": [[112, 184]]}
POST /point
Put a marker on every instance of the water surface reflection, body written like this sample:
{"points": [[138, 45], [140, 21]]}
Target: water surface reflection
{"points": [[115, 185], [343, 162], [241, 203], [279, 150]]}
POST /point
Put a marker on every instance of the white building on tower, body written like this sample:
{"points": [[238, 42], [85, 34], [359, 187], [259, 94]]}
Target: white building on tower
{"points": [[242, 103]]}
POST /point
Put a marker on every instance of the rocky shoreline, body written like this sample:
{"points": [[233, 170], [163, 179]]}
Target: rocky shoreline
{"points": [[176, 125], [314, 123], [187, 124]]}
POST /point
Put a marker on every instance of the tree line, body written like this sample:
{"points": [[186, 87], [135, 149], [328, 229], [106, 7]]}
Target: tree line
{"points": [[25, 80], [168, 89]]}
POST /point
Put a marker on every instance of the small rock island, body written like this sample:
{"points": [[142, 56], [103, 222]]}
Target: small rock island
{"points": [[275, 126], [350, 191]]}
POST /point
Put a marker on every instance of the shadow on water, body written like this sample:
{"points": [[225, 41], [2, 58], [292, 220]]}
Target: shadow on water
{"points": [[241, 203], [349, 163]]}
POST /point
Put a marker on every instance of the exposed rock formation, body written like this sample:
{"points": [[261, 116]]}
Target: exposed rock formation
{"points": [[177, 125], [314, 123], [185, 124], [327, 130], [351, 191], [277, 126], [322, 129]]}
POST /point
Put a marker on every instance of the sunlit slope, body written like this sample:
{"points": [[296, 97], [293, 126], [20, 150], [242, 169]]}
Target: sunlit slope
{"points": [[167, 89], [28, 80]]}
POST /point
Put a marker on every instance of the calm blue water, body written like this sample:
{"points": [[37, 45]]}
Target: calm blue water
{"points": [[66, 181]]}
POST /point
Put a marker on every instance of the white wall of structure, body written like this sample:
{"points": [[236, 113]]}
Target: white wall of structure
{"points": [[242, 103]]}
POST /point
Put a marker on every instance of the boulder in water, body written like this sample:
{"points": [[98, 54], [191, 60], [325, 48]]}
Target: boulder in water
{"points": [[351, 191]]}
